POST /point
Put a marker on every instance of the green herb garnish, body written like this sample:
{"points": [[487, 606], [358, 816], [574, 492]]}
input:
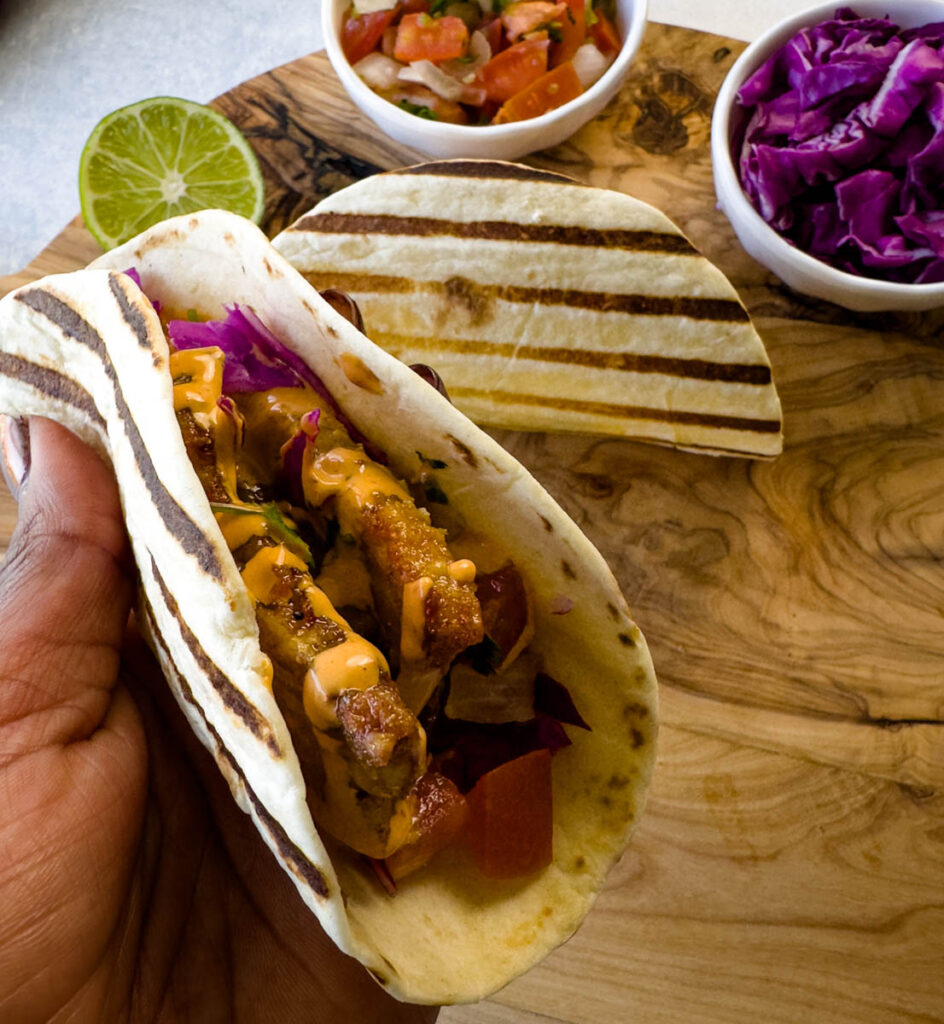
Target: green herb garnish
{"points": [[415, 108], [278, 526]]}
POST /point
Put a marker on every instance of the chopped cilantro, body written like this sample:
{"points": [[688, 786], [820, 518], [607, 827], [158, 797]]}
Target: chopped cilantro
{"points": [[194, 317], [278, 527], [607, 7], [415, 108], [438, 6]]}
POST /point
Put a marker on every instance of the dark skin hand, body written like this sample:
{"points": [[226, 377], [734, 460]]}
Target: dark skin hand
{"points": [[131, 886]]}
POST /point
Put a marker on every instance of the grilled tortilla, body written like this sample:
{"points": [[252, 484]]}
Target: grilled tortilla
{"points": [[546, 304], [88, 349]]}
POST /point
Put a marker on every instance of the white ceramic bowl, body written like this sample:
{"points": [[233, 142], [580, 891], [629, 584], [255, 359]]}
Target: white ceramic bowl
{"points": [[799, 270], [499, 142]]}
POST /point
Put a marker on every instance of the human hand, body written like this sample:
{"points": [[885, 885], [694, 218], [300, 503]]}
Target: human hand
{"points": [[131, 886]]}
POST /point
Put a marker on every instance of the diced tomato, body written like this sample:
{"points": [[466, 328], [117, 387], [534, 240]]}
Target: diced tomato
{"points": [[413, 6], [388, 41], [360, 35], [492, 31], [420, 37], [552, 90], [604, 34], [527, 15], [573, 31], [441, 814], [512, 70], [510, 828]]}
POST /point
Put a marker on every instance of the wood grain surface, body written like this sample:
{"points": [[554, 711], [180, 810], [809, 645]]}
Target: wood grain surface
{"points": [[790, 865]]}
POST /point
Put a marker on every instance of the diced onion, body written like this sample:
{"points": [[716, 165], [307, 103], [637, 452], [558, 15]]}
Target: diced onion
{"points": [[464, 69], [425, 72], [501, 697], [590, 64], [372, 6], [378, 71]]}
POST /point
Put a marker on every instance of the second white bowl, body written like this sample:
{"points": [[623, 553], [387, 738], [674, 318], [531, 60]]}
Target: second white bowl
{"points": [[796, 268]]}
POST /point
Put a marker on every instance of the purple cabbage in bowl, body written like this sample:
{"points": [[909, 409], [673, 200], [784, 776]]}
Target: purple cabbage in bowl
{"points": [[842, 152]]}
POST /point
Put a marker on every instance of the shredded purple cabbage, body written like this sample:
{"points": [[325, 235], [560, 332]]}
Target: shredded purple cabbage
{"points": [[843, 148], [256, 360], [136, 277], [554, 699], [293, 453]]}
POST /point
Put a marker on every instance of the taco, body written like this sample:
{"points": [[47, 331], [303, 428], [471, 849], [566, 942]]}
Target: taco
{"points": [[389, 636], [547, 304]]}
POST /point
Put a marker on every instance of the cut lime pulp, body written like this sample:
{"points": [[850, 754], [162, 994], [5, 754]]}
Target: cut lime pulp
{"points": [[161, 157]]}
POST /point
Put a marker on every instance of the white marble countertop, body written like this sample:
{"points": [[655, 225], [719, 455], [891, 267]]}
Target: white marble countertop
{"points": [[66, 63]]}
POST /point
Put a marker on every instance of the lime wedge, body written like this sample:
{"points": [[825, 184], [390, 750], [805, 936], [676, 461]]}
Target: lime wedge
{"points": [[161, 157]]}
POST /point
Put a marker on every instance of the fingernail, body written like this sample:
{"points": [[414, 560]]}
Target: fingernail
{"points": [[14, 452]]}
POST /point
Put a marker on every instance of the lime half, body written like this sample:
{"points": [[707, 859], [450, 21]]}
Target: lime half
{"points": [[161, 157]]}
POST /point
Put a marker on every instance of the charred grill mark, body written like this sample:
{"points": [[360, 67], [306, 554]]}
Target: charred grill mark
{"points": [[289, 851], [756, 374], [465, 452], [638, 305], [637, 412], [718, 310], [189, 535], [52, 384], [497, 230], [229, 693], [494, 169], [202, 454], [130, 313]]}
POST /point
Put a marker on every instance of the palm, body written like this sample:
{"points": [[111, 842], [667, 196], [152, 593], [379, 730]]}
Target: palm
{"points": [[131, 886]]}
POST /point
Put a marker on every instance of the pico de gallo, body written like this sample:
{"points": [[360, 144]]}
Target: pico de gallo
{"points": [[480, 62]]}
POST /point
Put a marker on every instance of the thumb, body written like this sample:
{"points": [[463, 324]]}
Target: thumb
{"points": [[65, 593]]}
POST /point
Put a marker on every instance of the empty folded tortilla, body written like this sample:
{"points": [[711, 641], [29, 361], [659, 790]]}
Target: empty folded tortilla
{"points": [[546, 304]]}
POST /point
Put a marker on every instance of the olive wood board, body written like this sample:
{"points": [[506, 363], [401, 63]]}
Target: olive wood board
{"points": [[790, 863]]}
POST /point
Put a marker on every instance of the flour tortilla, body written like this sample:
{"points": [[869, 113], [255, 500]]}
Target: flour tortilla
{"points": [[546, 304], [87, 349]]}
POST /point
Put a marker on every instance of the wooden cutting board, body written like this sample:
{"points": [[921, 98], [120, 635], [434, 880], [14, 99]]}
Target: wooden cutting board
{"points": [[790, 865]]}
